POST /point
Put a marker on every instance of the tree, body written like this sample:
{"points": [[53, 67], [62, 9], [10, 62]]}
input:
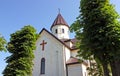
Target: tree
{"points": [[2, 43], [21, 46], [98, 28]]}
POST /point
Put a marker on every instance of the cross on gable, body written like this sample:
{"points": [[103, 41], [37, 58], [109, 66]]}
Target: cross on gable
{"points": [[43, 45]]}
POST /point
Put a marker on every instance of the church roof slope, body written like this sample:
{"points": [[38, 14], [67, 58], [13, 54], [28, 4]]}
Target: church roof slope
{"points": [[59, 21], [74, 41], [74, 60]]}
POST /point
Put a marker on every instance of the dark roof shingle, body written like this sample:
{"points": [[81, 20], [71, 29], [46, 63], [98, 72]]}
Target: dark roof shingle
{"points": [[59, 21]]}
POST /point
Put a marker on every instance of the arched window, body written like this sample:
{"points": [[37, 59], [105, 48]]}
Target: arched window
{"points": [[63, 31], [56, 31], [43, 66]]}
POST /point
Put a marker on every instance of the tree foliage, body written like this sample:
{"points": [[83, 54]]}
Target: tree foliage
{"points": [[98, 28], [2, 43], [21, 46]]}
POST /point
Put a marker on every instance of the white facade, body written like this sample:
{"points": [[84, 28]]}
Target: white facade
{"points": [[74, 53], [77, 70], [55, 55]]}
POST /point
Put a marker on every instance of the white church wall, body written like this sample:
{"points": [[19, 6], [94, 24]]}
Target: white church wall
{"points": [[69, 44], [75, 70], [53, 54], [36, 61], [84, 71], [67, 54], [61, 35], [74, 53]]}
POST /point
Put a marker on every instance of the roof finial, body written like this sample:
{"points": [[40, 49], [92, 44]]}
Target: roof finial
{"points": [[59, 10]]}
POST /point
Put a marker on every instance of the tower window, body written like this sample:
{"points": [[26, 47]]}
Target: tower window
{"points": [[56, 31], [43, 66], [63, 31]]}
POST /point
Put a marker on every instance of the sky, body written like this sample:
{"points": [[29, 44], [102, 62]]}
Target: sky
{"points": [[15, 14]]}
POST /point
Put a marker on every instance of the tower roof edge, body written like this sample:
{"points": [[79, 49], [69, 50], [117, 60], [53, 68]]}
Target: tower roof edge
{"points": [[59, 21]]}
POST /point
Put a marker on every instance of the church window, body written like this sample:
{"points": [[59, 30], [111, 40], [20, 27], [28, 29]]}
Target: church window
{"points": [[63, 31], [43, 66], [56, 31]]}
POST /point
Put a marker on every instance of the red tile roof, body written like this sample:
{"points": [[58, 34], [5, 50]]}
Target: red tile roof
{"points": [[74, 41], [59, 21], [72, 60]]}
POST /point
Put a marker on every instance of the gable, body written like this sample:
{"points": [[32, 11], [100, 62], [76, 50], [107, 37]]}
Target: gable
{"points": [[53, 37], [47, 37], [53, 53]]}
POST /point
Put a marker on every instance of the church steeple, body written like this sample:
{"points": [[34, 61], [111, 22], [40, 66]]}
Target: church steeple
{"points": [[60, 28], [59, 21]]}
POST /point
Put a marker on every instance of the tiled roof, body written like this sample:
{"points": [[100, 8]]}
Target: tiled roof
{"points": [[74, 40], [59, 21], [72, 60]]}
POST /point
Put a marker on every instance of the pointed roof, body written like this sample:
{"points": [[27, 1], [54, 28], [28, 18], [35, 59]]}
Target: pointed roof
{"points": [[59, 21]]}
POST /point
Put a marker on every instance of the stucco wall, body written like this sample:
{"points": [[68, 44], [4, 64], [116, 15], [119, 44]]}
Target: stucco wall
{"points": [[53, 54], [75, 70], [61, 35], [74, 53], [67, 54]]}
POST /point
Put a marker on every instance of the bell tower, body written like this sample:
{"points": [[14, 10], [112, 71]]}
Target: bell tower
{"points": [[60, 28]]}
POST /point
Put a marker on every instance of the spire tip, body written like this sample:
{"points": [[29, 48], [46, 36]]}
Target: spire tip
{"points": [[59, 10]]}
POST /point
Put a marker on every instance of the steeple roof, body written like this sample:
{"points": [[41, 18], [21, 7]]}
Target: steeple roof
{"points": [[59, 21]]}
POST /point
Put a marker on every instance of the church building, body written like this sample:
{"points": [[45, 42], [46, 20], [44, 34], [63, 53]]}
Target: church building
{"points": [[55, 53]]}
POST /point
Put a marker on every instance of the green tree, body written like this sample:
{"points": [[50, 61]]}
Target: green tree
{"points": [[21, 47], [2, 44], [98, 28]]}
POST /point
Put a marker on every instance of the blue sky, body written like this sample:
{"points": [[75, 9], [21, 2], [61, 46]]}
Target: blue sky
{"points": [[14, 14]]}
